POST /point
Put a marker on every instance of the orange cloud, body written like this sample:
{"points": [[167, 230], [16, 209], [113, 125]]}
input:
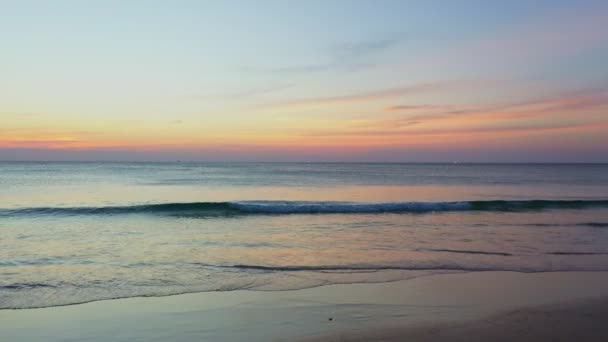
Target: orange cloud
{"points": [[414, 125], [564, 104], [384, 93]]}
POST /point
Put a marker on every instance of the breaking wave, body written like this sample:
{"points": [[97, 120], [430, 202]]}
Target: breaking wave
{"points": [[210, 209]]}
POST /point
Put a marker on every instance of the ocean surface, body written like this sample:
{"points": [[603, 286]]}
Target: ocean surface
{"points": [[78, 232]]}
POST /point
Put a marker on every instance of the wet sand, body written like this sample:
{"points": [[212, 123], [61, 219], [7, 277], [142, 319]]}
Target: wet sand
{"points": [[476, 306], [581, 320]]}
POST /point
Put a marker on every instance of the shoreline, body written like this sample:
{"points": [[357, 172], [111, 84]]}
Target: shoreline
{"points": [[346, 311], [448, 272]]}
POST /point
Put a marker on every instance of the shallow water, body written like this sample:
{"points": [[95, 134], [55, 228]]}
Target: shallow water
{"points": [[78, 232]]}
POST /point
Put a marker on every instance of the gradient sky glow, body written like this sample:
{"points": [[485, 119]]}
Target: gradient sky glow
{"points": [[412, 81]]}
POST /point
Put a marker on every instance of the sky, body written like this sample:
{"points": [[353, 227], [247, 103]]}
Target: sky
{"points": [[344, 81]]}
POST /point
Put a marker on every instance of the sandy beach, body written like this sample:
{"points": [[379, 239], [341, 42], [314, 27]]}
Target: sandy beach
{"points": [[576, 320], [462, 307]]}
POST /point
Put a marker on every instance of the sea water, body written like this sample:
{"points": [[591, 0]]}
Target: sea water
{"points": [[78, 232]]}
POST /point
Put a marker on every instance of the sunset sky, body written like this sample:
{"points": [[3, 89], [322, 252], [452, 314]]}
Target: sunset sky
{"points": [[410, 81]]}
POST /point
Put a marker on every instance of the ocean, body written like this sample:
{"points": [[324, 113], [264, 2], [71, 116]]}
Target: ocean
{"points": [[79, 232]]}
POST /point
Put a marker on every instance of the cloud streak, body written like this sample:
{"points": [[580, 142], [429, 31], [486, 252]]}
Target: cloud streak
{"points": [[580, 102], [460, 131], [343, 57], [575, 111], [385, 93], [248, 93]]}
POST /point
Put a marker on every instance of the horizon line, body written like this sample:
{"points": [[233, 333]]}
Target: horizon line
{"points": [[303, 162]]}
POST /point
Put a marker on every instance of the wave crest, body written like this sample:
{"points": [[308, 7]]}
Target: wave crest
{"points": [[212, 209]]}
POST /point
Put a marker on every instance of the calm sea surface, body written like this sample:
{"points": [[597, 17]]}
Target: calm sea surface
{"points": [[77, 232]]}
